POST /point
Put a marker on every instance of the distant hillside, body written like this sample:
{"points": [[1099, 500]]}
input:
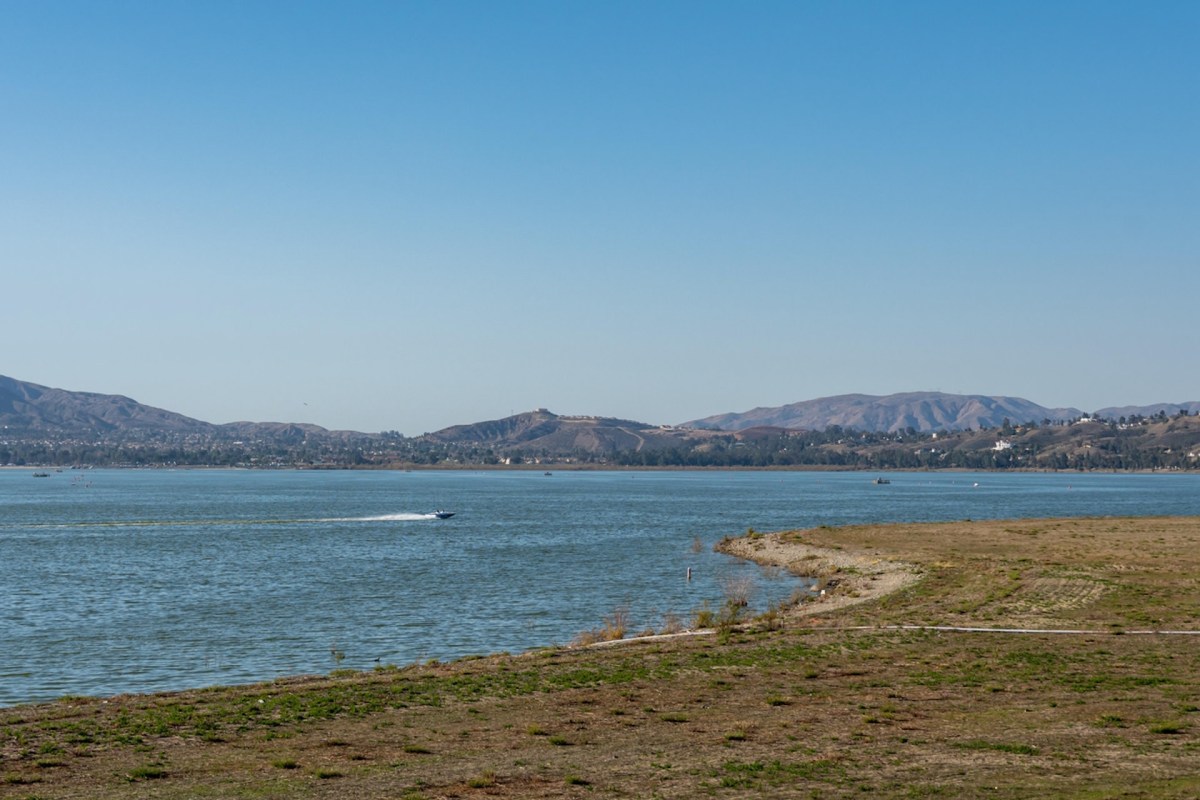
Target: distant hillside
{"points": [[1170, 409], [544, 431], [30, 408], [922, 411], [1158, 442]]}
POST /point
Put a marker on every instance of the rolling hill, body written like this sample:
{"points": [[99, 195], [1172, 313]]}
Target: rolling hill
{"points": [[544, 431], [30, 408], [922, 411]]}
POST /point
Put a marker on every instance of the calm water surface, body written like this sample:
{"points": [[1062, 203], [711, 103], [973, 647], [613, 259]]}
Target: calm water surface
{"points": [[130, 581]]}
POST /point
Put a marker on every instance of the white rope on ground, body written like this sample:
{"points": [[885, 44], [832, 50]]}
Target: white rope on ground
{"points": [[969, 629]]}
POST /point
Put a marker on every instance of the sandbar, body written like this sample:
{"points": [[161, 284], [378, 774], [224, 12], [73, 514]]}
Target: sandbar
{"points": [[844, 577]]}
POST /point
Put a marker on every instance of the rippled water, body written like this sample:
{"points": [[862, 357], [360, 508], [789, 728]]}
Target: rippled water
{"points": [[118, 581]]}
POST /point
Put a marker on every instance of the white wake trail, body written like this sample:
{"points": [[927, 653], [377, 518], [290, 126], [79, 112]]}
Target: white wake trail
{"points": [[385, 518]]}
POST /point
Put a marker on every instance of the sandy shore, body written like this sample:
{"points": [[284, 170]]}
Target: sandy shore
{"points": [[845, 577]]}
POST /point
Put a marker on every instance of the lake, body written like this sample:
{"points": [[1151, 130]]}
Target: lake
{"points": [[149, 580]]}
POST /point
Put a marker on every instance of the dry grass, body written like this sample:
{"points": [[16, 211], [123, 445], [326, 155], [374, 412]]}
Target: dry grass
{"points": [[817, 708]]}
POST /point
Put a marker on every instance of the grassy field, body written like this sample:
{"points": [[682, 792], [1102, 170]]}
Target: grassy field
{"points": [[816, 701]]}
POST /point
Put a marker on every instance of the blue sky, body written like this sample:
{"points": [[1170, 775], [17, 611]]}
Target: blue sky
{"points": [[412, 215]]}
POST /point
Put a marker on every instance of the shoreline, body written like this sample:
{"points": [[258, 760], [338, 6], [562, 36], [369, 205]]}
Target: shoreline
{"points": [[870, 700], [571, 467], [844, 577]]}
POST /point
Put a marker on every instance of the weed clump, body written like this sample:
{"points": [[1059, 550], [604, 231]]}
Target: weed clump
{"points": [[483, 780], [704, 617], [616, 625], [148, 773]]}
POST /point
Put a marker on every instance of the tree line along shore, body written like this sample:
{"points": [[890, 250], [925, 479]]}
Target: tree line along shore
{"points": [[1168, 443]]}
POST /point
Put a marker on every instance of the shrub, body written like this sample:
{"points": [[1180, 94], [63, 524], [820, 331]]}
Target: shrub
{"points": [[616, 624], [615, 627], [738, 592]]}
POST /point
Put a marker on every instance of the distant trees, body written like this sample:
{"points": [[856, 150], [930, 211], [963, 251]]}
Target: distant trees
{"points": [[1156, 442]]}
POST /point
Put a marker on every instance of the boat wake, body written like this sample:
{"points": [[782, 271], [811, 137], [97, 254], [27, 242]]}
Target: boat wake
{"points": [[202, 523], [386, 518]]}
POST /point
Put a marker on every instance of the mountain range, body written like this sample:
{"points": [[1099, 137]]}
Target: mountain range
{"points": [[31, 409]]}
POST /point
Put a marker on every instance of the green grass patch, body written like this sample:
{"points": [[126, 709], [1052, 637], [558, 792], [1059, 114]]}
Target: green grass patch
{"points": [[1003, 747], [762, 775], [151, 772]]}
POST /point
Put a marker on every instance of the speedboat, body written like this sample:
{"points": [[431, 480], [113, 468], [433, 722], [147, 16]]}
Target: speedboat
{"points": [[443, 514]]}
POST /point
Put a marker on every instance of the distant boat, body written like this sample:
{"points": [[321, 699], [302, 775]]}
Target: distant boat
{"points": [[443, 514], [41, 474], [880, 481], [546, 474]]}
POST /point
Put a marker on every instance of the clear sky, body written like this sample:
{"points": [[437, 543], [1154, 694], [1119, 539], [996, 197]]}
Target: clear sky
{"points": [[409, 215]]}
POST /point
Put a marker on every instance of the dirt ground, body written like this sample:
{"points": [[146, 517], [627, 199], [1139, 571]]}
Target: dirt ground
{"points": [[862, 691]]}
